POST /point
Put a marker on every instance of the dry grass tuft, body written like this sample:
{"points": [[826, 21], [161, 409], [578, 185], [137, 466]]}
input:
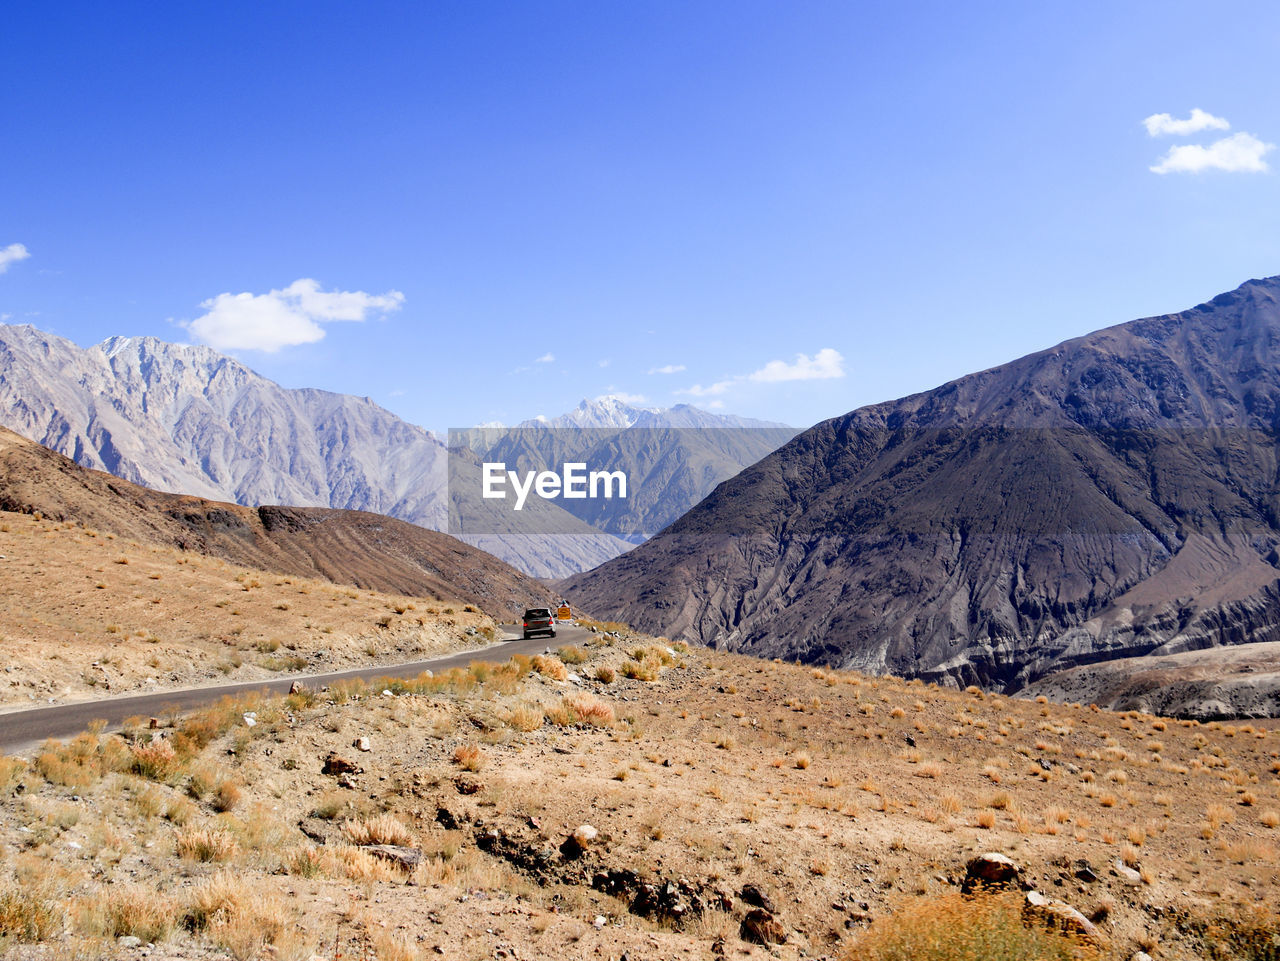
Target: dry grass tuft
{"points": [[551, 667], [951, 927], [383, 829], [469, 757], [27, 913], [205, 844], [581, 708]]}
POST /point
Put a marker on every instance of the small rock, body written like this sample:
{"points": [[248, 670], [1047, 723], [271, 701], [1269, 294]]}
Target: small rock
{"points": [[1140, 956], [599, 922], [362, 744], [398, 854], [762, 927], [129, 941], [333, 764], [250, 721], [991, 870], [1057, 915], [751, 894], [1125, 873], [297, 687], [1084, 871], [467, 785], [577, 843]]}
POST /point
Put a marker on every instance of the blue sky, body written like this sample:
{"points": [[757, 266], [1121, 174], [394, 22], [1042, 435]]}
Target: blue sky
{"points": [[473, 211]]}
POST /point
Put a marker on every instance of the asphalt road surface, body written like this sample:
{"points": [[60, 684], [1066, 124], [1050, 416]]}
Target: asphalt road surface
{"points": [[21, 731]]}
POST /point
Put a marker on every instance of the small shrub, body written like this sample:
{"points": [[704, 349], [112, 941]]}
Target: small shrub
{"points": [[605, 674], [205, 844], [550, 667], [468, 757], [571, 655], [383, 829], [951, 927], [226, 796], [157, 761], [525, 717], [26, 914], [132, 909], [581, 708]]}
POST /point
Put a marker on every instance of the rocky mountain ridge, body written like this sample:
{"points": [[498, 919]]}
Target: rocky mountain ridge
{"points": [[188, 419], [613, 411], [1114, 495]]}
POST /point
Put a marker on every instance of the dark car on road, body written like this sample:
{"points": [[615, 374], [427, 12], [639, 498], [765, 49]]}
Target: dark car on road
{"points": [[539, 620]]}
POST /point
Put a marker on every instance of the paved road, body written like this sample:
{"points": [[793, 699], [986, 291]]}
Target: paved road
{"points": [[21, 731]]}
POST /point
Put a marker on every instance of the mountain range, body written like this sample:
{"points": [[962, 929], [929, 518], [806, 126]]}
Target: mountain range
{"points": [[1115, 495], [610, 411], [187, 419]]}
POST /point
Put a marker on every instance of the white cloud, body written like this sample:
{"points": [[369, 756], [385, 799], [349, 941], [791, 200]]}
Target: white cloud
{"points": [[715, 405], [824, 365], [12, 254], [283, 318], [545, 358], [1239, 153], [1162, 124], [603, 363], [668, 369], [719, 387]]}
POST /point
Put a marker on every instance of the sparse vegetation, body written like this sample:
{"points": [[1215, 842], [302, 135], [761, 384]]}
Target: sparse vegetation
{"points": [[955, 928], [724, 770]]}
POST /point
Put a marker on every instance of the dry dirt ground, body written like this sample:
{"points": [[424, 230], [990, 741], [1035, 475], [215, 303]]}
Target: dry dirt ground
{"points": [[84, 613], [696, 782]]}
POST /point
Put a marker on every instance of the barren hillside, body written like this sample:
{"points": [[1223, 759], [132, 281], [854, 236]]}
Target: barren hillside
{"points": [[632, 798], [346, 547]]}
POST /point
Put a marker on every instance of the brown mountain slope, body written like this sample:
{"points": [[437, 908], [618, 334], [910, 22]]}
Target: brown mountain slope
{"points": [[1114, 495], [345, 547], [1219, 683]]}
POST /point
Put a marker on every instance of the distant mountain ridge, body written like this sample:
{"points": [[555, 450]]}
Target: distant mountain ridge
{"points": [[1118, 494], [188, 419], [191, 420], [612, 411]]}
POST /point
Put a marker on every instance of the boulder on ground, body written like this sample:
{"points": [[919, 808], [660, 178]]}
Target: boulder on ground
{"points": [[1057, 916], [333, 764], [991, 870], [762, 927]]}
